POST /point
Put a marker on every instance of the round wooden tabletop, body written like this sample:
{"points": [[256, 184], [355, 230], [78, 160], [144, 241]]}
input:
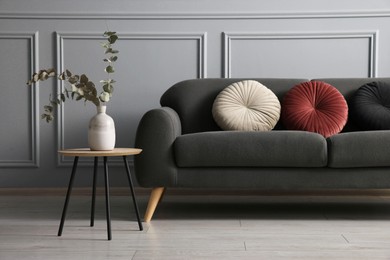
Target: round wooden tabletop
{"points": [[86, 152]]}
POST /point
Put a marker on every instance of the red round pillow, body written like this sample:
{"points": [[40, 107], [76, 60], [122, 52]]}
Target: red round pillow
{"points": [[314, 106]]}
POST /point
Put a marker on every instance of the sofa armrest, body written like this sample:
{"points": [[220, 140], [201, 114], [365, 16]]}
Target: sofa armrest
{"points": [[157, 130]]}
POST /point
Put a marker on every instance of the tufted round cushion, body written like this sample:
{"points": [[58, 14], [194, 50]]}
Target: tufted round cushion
{"points": [[314, 106], [370, 106], [246, 106]]}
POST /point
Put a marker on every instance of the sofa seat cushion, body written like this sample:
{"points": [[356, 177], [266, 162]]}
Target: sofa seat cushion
{"points": [[359, 149], [251, 149]]}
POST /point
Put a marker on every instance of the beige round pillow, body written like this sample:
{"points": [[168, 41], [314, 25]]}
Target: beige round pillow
{"points": [[246, 106]]}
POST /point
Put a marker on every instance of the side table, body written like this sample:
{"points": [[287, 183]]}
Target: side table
{"points": [[86, 152]]}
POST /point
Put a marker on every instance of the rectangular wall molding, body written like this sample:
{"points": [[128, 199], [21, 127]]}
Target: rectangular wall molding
{"points": [[371, 36], [33, 128]]}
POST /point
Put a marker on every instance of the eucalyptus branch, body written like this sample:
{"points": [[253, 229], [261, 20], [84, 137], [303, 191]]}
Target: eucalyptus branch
{"points": [[111, 57], [81, 87]]}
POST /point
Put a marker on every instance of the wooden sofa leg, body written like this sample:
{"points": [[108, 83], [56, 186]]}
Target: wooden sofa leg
{"points": [[155, 198]]}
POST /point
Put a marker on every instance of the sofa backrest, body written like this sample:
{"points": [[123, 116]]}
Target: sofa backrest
{"points": [[193, 99]]}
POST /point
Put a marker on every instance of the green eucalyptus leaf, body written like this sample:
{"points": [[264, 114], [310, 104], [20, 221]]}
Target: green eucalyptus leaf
{"points": [[51, 72], [83, 79], [105, 45], [50, 118], [62, 76], [90, 84], [68, 73], [48, 108], [107, 87], [95, 101], [109, 33], [112, 39], [43, 75], [63, 97], [109, 69], [35, 77], [92, 88], [111, 50], [80, 85], [80, 92], [104, 97], [87, 96], [73, 79], [113, 58], [107, 81], [47, 117]]}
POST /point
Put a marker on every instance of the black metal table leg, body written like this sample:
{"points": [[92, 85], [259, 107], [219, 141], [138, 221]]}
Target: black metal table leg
{"points": [[70, 186], [87, 153], [132, 192], [107, 198], [95, 169]]}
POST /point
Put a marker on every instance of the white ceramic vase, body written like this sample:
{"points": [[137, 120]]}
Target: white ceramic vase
{"points": [[101, 132]]}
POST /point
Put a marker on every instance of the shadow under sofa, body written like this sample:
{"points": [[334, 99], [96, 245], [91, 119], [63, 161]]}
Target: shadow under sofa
{"points": [[183, 147]]}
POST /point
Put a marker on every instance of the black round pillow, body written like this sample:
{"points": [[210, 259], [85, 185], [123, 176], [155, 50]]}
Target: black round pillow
{"points": [[370, 106]]}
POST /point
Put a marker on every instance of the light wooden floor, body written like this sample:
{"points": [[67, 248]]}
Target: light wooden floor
{"points": [[199, 227]]}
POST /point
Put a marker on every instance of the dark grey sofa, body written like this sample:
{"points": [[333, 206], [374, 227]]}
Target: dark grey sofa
{"points": [[184, 147]]}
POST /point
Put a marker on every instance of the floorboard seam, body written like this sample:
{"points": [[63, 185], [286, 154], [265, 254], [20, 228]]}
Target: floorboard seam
{"points": [[345, 238], [133, 257]]}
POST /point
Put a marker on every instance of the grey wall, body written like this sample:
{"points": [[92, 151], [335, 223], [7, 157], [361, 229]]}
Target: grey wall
{"points": [[162, 42]]}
